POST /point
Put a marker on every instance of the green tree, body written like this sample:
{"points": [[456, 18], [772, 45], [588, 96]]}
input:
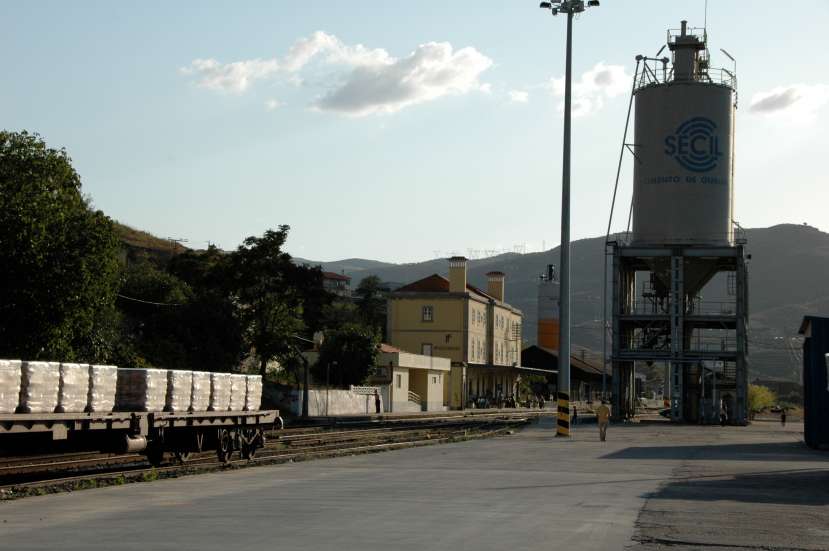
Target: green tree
{"points": [[340, 313], [59, 270], [214, 336], [351, 352], [307, 282], [152, 303], [371, 303], [270, 305], [760, 398]]}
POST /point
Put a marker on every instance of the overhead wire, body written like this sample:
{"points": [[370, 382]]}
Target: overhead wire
{"points": [[133, 299]]}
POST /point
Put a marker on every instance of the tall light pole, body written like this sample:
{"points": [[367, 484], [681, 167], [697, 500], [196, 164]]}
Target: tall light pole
{"points": [[569, 7]]}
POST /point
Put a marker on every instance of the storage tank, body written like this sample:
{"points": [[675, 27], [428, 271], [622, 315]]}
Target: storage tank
{"points": [[548, 309], [684, 142]]}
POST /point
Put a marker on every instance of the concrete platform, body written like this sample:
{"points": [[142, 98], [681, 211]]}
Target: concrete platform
{"points": [[648, 487]]}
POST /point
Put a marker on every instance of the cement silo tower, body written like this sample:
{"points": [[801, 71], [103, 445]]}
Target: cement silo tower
{"points": [[680, 289]]}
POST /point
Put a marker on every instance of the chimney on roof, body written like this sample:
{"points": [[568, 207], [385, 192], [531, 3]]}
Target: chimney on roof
{"points": [[457, 274], [495, 287]]}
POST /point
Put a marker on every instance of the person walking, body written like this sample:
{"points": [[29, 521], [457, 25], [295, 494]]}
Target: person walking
{"points": [[603, 419], [783, 417], [376, 401], [575, 416]]}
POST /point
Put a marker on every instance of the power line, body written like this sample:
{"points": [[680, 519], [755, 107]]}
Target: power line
{"points": [[148, 301]]}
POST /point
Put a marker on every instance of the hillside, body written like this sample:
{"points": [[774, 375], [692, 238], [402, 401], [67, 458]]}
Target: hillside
{"points": [[788, 271], [137, 241]]}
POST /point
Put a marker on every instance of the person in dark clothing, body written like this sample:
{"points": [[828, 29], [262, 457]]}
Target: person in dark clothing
{"points": [[783, 417], [376, 401], [575, 416]]}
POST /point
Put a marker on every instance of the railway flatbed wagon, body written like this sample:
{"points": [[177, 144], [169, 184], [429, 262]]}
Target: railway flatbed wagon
{"points": [[152, 433], [51, 406]]}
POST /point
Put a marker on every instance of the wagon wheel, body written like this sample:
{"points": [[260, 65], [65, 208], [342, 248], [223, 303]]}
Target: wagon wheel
{"points": [[225, 446], [155, 454], [249, 445]]}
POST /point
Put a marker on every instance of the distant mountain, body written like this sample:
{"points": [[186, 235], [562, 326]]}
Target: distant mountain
{"points": [[351, 266], [788, 278]]}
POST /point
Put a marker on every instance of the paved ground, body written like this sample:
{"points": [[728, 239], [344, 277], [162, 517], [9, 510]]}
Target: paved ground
{"points": [[648, 487]]}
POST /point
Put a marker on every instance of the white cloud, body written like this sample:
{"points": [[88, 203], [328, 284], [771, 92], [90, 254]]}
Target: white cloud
{"points": [[593, 88], [365, 80], [797, 102], [334, 50], [233, 77], [518, 96], [272, 104], [433, 70]]}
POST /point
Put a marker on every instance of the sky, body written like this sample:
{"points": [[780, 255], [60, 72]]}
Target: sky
{"points": [[397, 131]]}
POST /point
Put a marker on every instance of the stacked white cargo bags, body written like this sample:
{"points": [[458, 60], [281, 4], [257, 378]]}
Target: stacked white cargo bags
{"points": [[47, 387], [39, 387], [73, 390], [219, 392], [179, 390], [103, 381], [9, 385], [238, 391], [253, 393], [141, 389], [200, 400]]}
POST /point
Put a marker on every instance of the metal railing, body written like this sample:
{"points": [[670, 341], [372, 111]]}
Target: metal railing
{"points": [[414, 397], [702, 343], [712, 308], [647, 307], [626, 238]]}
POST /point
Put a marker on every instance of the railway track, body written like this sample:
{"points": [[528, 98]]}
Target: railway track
{"points": [[67, 472]]}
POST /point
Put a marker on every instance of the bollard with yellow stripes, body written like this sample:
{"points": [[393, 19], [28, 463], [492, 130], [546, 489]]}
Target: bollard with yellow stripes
{"points": [[563, 421]]}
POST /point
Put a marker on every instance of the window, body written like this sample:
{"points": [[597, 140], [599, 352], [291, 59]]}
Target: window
{"points": [[399, 380], [434, 379], [426, 349], [427, 313]]}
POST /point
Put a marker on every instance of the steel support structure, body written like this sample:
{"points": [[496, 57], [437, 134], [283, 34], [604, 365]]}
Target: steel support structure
{"points": [[669, 326]]}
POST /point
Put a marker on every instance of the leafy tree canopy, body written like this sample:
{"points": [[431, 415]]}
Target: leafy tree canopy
{"points": [[59, 270], [350, 353], [760, 398], [271, 307], [371, 302]]}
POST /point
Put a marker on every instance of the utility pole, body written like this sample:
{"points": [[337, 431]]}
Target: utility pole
{"points": [[570, 7]]}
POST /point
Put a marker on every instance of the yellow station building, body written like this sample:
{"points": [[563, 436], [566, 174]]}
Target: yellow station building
{"points": [[476, 330]]}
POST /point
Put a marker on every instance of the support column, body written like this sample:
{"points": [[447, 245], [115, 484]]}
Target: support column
{"points": [[677, 296], [741, 374], [616, 375]]}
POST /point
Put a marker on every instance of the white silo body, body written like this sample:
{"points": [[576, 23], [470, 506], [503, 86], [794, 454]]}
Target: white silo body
{"points": [[683, 171]]}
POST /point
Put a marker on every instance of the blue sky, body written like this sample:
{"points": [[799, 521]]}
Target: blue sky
{"points": [[305, 129]]}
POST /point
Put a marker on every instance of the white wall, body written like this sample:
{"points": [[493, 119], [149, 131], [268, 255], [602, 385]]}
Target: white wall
{"points": [[335, 402], [400, 395]]}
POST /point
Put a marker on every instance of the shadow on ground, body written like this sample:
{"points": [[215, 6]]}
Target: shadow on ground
{"points": [[808, 487], [782, 451]]}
